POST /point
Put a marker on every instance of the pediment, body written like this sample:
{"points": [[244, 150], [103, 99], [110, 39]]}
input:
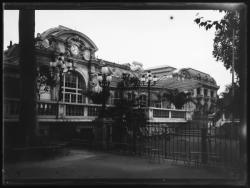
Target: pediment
{"points": [[68, 35], [69, 42]]}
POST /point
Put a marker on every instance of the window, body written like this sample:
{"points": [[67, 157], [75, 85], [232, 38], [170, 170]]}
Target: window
{"points": [[131, 96], [143, 99], [212, 93], [157, 104], [198, 91], [111, 99], [205, 92], [93, 111], [117, 97], [73, 86]]}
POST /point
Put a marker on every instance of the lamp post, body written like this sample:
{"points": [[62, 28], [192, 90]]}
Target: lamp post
{"points": [[148, 80], [59, 68], [104, 81]]}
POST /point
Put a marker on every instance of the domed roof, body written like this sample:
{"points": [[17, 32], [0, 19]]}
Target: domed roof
{"points": [[197, 75]]}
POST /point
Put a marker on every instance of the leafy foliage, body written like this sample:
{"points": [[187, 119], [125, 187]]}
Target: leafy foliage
{"points": [[126, 117], [124, 111], [177, 98], [96, 97], [223, 50], [223, 41], [128, 82], [230, 103], [46, 78]]}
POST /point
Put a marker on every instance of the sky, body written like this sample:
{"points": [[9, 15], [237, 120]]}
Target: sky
{"points": [[147, 36]]}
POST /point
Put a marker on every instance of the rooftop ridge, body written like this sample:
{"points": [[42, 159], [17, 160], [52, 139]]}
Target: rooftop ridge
{"points": [[159, 66], [197, 70], [115, 64], [64, 27]]}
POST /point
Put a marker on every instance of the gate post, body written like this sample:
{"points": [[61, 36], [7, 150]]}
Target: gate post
{"points": [[106, 133], [204, 154], [134, 137]]}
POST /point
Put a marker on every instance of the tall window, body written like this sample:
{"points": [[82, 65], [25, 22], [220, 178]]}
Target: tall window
{"points": [[212, 94], [116, 97], [111, 98], [198, 91], [205, 92], [131, 96], [143, 100], [73, 87]]}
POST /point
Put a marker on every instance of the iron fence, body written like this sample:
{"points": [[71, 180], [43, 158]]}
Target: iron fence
{"points": [[195, 145]]}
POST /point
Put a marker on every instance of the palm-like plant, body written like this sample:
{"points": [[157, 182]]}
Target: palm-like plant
{"points": [[126, 118], [176, 97], [97, 97]]}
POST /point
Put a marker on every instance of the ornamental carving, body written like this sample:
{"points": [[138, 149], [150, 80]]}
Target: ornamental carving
{"points": [[42, 44]]}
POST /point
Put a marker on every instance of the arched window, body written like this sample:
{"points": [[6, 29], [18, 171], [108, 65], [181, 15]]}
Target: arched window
{"points": [[130, 96], [117, 97], [111, 98], [143, 100], [73, 87]]}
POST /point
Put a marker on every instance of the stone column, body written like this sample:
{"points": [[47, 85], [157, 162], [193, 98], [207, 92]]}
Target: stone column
{"points": [[85, 110], [61, 110], [208, 92], [150, 113], [215, 93], [195, 92], [202, 91]]}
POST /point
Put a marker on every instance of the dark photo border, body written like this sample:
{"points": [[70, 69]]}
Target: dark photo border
{"points": [[150, 5]]}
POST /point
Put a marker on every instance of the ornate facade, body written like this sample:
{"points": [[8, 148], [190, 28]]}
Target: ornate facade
{"points": [[74, 107], [201, 85]]}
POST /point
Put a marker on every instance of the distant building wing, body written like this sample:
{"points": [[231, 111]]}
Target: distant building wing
{"points": [[180, 85]]}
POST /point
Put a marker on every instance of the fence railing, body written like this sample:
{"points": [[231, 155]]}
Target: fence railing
{"points": [[52, 108], [62, 110], [195, 147], [164, 113], [47, 108]]}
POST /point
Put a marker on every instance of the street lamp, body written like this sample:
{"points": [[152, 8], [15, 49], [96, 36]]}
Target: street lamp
{"points": [[59, 68], [148, 80], [104, 81]]}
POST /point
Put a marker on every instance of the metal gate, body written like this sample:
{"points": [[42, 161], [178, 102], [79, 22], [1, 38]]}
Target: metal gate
{"points": [[199, 143]]}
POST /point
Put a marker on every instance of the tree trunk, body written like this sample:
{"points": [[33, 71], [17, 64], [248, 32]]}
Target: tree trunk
{"points": [[28, 119]]}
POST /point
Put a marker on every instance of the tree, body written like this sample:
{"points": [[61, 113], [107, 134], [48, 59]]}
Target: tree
{"points": [[126, 117], [223, 41], [224, 45], [177, 98], [97, 97], [229, 104], [28, 73]]}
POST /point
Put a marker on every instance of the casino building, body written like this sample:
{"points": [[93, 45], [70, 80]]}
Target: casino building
{"points": [[72, 110]]}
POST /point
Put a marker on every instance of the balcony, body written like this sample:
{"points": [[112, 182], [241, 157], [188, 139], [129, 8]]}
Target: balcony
{"points": [[49, 111], [167, 115], [53, 111]]}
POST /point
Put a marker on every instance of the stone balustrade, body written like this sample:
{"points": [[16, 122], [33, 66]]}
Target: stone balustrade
{"points": [[48, 110]]}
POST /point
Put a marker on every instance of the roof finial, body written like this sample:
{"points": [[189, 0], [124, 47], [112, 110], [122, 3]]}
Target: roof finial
{"points": [[10, 45]]}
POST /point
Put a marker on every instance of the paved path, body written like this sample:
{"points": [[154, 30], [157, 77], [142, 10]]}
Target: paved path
{"points": [[82, 164]]}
